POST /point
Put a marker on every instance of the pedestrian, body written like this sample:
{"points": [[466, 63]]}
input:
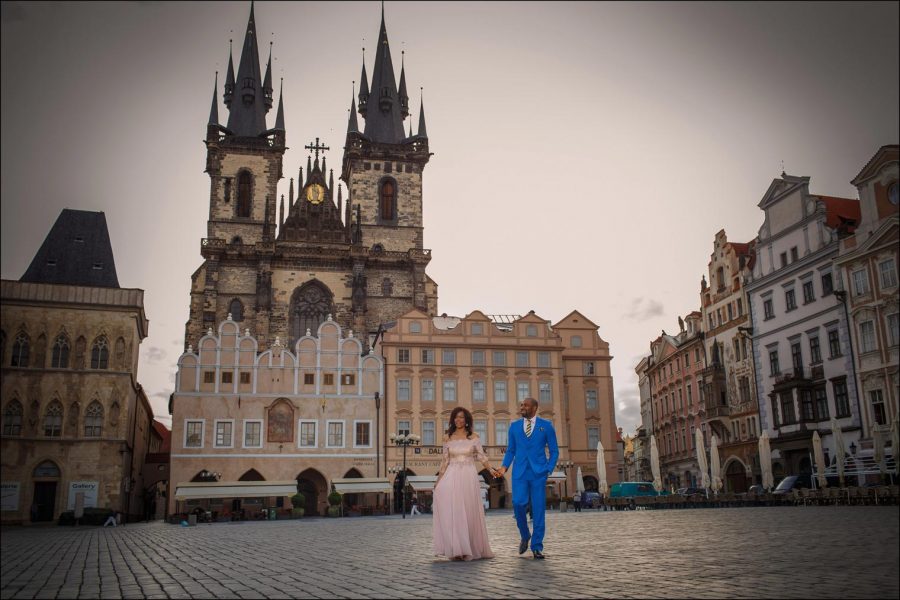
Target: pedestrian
{"points": [[576, 499], [415, 507], [111, 520], [528, 444]]}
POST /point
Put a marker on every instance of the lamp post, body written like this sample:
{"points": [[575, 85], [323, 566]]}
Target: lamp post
{"points": [[377, 436], [565, 466], [404, 441]]}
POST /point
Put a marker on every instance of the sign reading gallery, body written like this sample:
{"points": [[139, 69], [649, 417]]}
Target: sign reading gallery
{"points": [[89, 491]]}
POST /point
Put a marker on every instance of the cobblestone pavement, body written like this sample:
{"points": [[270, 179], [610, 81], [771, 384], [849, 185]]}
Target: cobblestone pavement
{"points": [[771, 552]]}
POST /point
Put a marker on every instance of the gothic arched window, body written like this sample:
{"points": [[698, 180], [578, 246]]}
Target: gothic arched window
{"points": [[236, 309], [100, 353], [310, 306], [388, 201], [12, 418], [60, 357], [53, 419], [245, 189], [93, 420], [20, 350]]}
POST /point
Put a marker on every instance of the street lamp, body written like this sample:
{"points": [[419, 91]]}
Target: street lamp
{"points": [[377, 436], [565, 466], [404, 441]]}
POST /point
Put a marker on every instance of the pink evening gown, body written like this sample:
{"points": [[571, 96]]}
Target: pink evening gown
{"points": [[458, 525]]}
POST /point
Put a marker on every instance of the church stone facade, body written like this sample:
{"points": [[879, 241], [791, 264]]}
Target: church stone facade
{"points": [[280, 268]]}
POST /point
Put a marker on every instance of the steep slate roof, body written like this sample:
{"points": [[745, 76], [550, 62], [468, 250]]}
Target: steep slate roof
{"points": [[384, 126], [77, 251], [248, 120]]}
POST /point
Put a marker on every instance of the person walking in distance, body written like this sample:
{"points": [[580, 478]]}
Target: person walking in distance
{"points": [[415, 507], [529, 442]]}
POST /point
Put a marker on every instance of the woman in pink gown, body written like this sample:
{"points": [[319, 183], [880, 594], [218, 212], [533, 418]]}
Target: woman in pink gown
{"points": [[459, 528]]}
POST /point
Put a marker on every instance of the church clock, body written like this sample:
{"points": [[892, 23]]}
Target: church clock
{"points": [[315, 194]]}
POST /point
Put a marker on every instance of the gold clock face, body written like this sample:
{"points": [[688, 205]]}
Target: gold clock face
{"points": [[315, 194]]}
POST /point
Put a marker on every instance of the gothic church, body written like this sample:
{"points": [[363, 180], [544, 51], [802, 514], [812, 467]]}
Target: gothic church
{"points": [[280, 269]]}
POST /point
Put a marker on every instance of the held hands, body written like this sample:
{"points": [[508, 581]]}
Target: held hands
{"points": [[498, 473]]}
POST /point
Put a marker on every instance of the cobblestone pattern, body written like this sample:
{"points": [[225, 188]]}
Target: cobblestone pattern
{"points": [[768, 552]]}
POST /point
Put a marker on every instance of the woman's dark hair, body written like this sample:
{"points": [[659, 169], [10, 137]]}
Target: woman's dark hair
{"points": [[467, 415]]}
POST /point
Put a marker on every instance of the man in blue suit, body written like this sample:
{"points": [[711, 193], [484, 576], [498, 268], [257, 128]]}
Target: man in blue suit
{"points": [[527, 444]]}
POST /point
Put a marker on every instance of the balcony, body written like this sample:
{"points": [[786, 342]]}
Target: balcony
{"points": [[718, 411], [817, 372]]}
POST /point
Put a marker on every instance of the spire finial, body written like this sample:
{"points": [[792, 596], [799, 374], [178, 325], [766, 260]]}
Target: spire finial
{"points": [[422, 132], [279, 119]]}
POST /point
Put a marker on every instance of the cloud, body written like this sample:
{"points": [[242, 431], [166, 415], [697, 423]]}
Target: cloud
{"points": [[628, 409], [644, 308], [155, 354]]}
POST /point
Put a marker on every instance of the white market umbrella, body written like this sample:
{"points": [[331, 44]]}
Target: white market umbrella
{"points": [[701, 459], [820, 460], [579, 481], [839, 452], [601, 469], [654, 464], [715, 470], [819, 455], [765, 461], [878, 449]]}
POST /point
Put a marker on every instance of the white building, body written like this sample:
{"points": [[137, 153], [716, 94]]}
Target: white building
{"points": [[867, 267], [801, 345]]}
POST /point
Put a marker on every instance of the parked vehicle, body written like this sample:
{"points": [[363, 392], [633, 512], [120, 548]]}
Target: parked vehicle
{"points": [[793, 482], [589, 498], [632, 489], [690, 491]]}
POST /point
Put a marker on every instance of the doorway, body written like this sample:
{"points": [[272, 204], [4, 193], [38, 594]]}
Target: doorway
{"points": [[44, 500]]}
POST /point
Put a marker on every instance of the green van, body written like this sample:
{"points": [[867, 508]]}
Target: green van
{"points": [[631, 489]]}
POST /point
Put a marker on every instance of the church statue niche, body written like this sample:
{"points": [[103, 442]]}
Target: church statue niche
{"points": [[263, 292], [310, 306], [280, 422]]}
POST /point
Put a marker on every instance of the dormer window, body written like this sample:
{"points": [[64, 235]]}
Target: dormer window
{"points": [[79, 239], [97, 266], [51, 262]]}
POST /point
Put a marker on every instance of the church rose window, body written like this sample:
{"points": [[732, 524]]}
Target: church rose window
{"points": [[310, 306]]}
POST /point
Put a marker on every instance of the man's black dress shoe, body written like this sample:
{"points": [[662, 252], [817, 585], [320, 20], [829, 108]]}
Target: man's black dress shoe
{"points": [[538, 555], [523, 546]]}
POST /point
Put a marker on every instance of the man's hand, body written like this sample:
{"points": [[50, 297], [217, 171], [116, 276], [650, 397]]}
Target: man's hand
{"points": [[499, 472]]}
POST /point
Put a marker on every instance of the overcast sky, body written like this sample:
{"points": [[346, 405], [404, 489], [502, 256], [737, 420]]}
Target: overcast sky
{"points": [[585, 154]]}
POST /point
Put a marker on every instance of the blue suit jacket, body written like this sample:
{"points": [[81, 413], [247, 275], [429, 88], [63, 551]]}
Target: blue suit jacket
{"points": [[532, 450]]}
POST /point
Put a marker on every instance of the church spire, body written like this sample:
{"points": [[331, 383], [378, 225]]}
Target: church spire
{"points": [[422, 132], [363, 87], [279, 119], [384, 122], [404, 98], [214, 109], [229, 80], [267, 85], [247, 117], [352, 123]]}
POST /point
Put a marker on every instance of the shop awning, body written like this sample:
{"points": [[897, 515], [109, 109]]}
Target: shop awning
{"points": [[422, 483], [235, 489], [556, 476], [361, 485]]}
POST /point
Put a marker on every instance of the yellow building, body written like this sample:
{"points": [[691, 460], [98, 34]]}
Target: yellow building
{"points": [[488, 364]]}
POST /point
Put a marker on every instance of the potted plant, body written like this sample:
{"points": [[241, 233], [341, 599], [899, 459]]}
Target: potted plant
{"points": [[298, 501], [334, 501]]}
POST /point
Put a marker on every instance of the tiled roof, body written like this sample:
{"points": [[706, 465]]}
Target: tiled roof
{"points": [[77, 251], [841, 212]]}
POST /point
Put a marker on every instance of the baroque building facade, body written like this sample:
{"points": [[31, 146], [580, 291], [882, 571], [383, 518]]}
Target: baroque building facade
{"points": [[732, 412], [866, 266], [805, 374], [488, 364], [674, 372], [76, 422]]}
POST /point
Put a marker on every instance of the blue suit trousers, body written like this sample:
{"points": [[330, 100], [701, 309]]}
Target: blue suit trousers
{"points": [[530, 487]]}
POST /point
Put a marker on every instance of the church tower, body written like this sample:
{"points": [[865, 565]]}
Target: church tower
{"points": [[283, 268], [383, 168], [243, 161]]}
